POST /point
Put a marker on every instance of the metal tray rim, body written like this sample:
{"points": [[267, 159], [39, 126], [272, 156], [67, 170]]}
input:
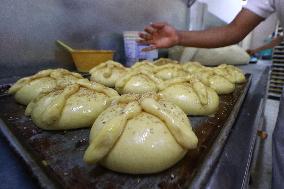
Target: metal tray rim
{"points": [[43, 180], [215, 150]]}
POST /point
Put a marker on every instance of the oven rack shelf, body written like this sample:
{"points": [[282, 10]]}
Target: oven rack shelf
{"points": [[277, 69]]}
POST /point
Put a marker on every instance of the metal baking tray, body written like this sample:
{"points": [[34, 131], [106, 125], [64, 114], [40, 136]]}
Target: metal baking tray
{"points": [[55, 157]]}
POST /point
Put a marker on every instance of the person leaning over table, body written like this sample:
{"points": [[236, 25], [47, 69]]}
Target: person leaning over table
{"points": [[163, 35]]}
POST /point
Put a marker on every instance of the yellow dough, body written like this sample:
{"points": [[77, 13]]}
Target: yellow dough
{"points": [[192, 67], [164, 61], [107, 73], [28, 88], [75, 106], [144, 65], [231, 73], [140, 134], [221, 78], [169, 71], [192, 96], [139, 82], [215, 81]]}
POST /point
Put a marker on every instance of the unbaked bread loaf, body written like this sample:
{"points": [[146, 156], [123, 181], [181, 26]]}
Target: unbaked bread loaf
{"points": [[164, 61], [144, 65], [139, 135], [139, 82], [192, 67], [191, 95], [210, 77], [215, 81], [75, 106], [232, 55], [169, 71], [107, 73], [232, 73], [28, 88]]}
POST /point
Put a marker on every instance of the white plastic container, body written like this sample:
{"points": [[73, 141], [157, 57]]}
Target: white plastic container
{"points": [[133, 50]]}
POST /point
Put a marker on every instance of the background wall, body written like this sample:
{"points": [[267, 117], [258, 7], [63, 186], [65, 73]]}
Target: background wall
{"points": [[205, 14], [211, 13], [30, 27], [224, 9], [262, 31]]}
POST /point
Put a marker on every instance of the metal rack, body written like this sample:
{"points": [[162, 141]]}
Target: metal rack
{"points": [[277, 70]]}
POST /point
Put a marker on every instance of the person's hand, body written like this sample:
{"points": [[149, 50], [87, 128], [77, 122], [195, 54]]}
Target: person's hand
{"points": [[159, 35], [251, 52]]}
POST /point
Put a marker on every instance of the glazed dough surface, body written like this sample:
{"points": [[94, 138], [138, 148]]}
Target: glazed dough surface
{"points": [[144, 65], [164, 61], [28, 88], [217, 82], [192, 96], [147, 145], [232, 73], [221, 78], [107, 73], [138, 82], [140, 135], [30, 91], [76, 106], [192, 67], [170, 71]]}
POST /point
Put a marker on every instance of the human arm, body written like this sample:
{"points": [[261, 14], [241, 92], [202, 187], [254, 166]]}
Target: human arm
{"points": [[162, 35], [276, 41]]}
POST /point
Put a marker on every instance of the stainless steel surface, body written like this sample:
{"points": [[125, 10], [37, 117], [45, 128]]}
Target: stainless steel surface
{"points": [[211, 159], [278, 148], [234, 165], [261, 171], [44, 180]]}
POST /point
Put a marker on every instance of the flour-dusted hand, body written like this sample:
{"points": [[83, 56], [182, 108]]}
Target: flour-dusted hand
{"points": [[159, 35]]}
